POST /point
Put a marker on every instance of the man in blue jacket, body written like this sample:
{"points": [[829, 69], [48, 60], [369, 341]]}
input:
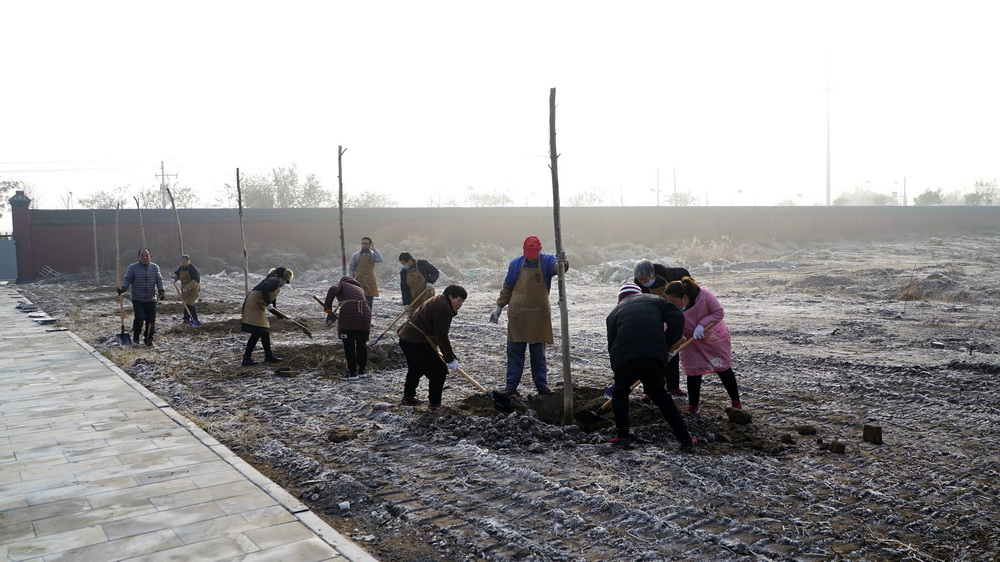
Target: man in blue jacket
{"points": [[529, 318], [146, 282]]}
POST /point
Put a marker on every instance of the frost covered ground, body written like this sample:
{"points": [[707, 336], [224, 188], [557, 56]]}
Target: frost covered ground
{"points": [[828, 337]]}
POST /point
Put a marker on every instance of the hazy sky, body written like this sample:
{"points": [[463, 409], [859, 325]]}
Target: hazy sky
{"points": [[431, 99]]}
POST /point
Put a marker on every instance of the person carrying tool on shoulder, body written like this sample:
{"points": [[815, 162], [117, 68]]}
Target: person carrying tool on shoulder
{"points": [[713, 350], [190, 280], [362, 269], [416, 280], [638, 347], [146, 282], [529, 318], [353, 325], [262, 297], [653, 278], [432, 321]]}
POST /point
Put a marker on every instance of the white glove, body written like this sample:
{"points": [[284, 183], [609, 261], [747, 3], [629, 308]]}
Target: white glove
{"points": [[289, 321], [430, 286], [270, 307], [699, 332], [561, 257], [453, 366], [495, 315]]}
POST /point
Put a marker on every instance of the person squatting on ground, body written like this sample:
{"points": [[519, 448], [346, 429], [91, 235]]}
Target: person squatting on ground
{"points": [[416, 277], [653, 278], [190, 280], [432, 321], [713, 352], [263, 296], [362, 269], [354, 324], [638, 346], [146, 282], [529, 318]]}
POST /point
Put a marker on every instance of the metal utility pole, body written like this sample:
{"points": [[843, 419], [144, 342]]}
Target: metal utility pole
{"points": [[163, 185], [827, 135], [563, 311], [243, 237]]}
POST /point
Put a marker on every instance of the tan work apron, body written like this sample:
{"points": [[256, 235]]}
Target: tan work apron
{"points": [[529, 316], [417, 282], [255, 309], [365, 275], [189, 289]]}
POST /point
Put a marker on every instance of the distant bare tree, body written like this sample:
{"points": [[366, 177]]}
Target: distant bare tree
{"points": [[492, 199], [985, 193], [369, 200], [282, 189], [929, 197], [681, 199], [592, 197], [106, 199]]}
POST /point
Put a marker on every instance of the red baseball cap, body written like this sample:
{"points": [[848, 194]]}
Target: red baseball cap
{"points": [[532, 247]]}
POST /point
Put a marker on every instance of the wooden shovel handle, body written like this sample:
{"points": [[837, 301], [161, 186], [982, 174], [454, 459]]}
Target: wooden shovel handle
{"points": [[400, 316], [284, 316]]}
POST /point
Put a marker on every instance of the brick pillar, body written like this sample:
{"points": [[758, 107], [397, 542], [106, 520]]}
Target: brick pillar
{"points": [[22, 236]]}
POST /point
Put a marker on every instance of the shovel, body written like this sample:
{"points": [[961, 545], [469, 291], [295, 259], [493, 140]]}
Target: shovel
{"points": [[375, 355], [284, 316], [500, 401], [331, 317], [595, 415], [193, 322]]}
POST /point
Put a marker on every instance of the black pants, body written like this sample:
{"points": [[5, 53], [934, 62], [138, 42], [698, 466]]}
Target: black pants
{"points": [[651, 372], [355, 349], [674, 373], [422, 360], [194, 313], [371, 302], [728, 380], [265, 341], [145, 314]]}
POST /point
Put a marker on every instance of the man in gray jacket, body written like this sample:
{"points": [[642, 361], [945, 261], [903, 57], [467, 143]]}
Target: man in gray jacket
{"points": [[146, 282]]}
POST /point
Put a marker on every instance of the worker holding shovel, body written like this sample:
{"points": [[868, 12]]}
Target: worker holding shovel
{"points": [[653, 278], [713, 350], [354, 324], [263, 296], [639, 346], [144, 278], [428, 327], [416, 280], [190, 280]]}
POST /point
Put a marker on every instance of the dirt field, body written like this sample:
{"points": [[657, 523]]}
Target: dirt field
{"points": [[828, 337]]}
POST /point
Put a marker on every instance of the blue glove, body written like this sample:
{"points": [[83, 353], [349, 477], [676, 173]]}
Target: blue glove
{"points": [[699, 332], [609, 392], [495, 315], [453, 366]]}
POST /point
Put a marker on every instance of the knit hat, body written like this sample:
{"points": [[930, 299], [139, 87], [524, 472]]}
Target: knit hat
{"points": [[628, 289], [532, 247]]}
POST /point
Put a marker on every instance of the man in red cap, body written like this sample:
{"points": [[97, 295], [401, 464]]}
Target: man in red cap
{"points": [[529, 318]]}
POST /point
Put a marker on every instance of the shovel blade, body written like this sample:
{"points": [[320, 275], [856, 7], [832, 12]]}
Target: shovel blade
{"points": [[375, 355], [588, 416], [501, 401], [194, 323], [124, 339]]}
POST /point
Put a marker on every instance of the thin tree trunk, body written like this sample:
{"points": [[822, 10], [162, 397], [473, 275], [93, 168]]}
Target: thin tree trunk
{"points": [[97, 265], [180, 240], [340, 201], [563, 312], [246, 260], [142, 228]]}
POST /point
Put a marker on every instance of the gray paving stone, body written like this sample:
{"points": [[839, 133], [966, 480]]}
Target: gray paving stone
{"points": [[127, 547]]}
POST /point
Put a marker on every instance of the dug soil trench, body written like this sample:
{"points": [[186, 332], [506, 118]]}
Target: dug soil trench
{"points": [[828, 337]]}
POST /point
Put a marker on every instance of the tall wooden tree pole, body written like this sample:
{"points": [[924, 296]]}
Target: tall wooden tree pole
{"points": [[142, 228], [177, 217], [246, 260], [563, 312], [97, 274], [340, 198]]}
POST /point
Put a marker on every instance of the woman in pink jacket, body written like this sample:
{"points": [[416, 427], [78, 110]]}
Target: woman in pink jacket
{"points": [[713, 352]]}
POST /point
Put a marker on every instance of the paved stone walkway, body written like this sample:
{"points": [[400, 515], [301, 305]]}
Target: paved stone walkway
{"points": [[95, 467]]}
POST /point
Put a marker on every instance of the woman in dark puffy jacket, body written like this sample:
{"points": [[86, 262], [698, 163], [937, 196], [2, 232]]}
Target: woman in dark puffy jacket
{"points": [[353, 325]]}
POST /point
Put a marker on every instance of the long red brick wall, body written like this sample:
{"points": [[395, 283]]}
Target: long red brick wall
{"points": [[64, 240]]}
